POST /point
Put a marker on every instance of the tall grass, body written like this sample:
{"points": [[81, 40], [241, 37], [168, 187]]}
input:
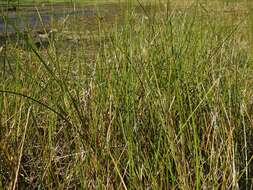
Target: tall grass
{"points": [[161, 100]]}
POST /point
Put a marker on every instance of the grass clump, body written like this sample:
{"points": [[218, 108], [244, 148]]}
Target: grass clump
{"points": [[163, 102]]}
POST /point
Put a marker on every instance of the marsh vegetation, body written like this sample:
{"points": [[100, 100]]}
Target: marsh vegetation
{"points": [[155, 95]]}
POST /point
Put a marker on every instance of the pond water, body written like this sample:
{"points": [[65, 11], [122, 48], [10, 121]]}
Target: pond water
{"points": [[22, 20], [27, 17]]}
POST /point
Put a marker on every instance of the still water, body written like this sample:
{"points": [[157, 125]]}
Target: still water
{"points": [[18, 21]]}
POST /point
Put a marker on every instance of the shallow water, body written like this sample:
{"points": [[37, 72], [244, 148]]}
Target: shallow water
{"points": [[28, 19], [19, 21]]}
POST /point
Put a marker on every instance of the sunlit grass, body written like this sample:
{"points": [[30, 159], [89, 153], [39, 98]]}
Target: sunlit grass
{"points": [[160, 99]]}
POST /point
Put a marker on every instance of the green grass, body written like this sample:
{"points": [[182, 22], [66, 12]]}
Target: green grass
{"points": [[161, 99], [24, 2], [38, 1]]}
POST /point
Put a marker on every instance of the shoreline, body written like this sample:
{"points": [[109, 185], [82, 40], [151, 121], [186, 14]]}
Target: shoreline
{"points": [[31, 18]]}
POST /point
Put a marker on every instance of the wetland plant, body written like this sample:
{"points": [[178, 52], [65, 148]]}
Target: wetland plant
{"points": [[160, 100]]}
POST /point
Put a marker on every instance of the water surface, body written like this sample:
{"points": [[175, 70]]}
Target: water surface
{"points": [[12, 21]]}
